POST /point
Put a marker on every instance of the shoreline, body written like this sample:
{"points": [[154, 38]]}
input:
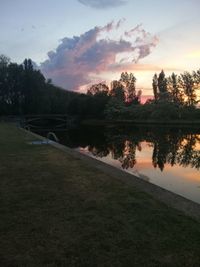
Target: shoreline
{"points": [[173, 200], [59, 206]]}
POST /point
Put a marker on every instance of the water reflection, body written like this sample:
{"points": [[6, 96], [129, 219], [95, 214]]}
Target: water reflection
{"points": [[168, 157], [169, 146]]}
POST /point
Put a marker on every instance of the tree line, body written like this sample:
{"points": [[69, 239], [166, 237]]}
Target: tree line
{"points": [[24, 90], [175, 97], [179, 89]]}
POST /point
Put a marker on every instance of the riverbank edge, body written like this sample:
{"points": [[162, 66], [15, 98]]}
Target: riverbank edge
{"points": [[171, 199]]}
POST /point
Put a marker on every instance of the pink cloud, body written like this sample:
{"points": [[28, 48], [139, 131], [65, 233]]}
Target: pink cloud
{"points": [[76, 59]]}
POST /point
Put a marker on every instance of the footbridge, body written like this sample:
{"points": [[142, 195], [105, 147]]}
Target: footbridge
{"points": [[48, 121]]}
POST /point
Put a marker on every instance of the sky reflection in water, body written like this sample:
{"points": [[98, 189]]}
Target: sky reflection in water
{"points": [[167, 158]]}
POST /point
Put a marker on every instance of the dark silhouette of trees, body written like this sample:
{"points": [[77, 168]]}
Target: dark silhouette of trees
{"points": [[128, 80], [175, 97], [4, 61], [99, 97], [116, 103], [187, 82], [117, 91], [14, 95], [176, 93], [33, 88], [11, 97], [24, 90], [162, 87], [178, 89], [122, 96], [98, 89], [155, 87]]}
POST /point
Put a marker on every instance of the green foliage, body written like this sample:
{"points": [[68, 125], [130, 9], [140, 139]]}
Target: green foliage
{"points": [[114, 109], [165, 111]]}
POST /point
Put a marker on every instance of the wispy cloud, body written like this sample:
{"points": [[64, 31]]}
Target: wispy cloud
{"points": [[130, 67], [102, 4], [76, 59]]}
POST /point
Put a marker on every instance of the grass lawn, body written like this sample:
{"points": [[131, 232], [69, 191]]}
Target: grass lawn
{"points": [[58, 211]]}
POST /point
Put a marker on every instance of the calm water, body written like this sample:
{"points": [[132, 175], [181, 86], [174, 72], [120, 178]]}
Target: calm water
{"points": [[166, 157]]}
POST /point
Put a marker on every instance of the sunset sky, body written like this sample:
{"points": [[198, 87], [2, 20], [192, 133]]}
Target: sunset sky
{"points": [[77, 42]]}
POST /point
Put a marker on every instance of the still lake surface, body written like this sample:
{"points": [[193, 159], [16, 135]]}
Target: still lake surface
{"points": [[167, 157]]}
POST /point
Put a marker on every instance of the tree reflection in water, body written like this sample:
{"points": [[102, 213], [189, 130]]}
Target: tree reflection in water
{"points": [[172, 146], [173, 149]]}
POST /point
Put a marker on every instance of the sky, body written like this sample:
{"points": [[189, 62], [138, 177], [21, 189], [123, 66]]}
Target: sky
{"points": [[80, 42]]}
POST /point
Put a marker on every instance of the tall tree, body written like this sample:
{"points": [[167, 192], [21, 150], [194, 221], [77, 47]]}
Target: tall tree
{"points": [[14, 94], [4, 62], [155, 86], [188, 84], [162, 86], [33, 88], [128, 80], [117, 91], [28, 65], [175, 90], [98, 99], [196, 77], [10, 86]]}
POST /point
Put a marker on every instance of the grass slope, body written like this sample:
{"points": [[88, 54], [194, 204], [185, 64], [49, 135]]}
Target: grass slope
{"points": [[57, 211]]}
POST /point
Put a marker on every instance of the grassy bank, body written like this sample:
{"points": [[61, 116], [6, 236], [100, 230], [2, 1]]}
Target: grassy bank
{"points": [[58, 211]]}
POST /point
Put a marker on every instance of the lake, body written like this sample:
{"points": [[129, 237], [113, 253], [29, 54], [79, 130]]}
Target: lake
{"points": [[167, 157]]}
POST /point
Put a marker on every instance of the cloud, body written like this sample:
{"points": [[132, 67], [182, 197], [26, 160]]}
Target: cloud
{"points": [[102, 4], [77, 59], [136, 29]]}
